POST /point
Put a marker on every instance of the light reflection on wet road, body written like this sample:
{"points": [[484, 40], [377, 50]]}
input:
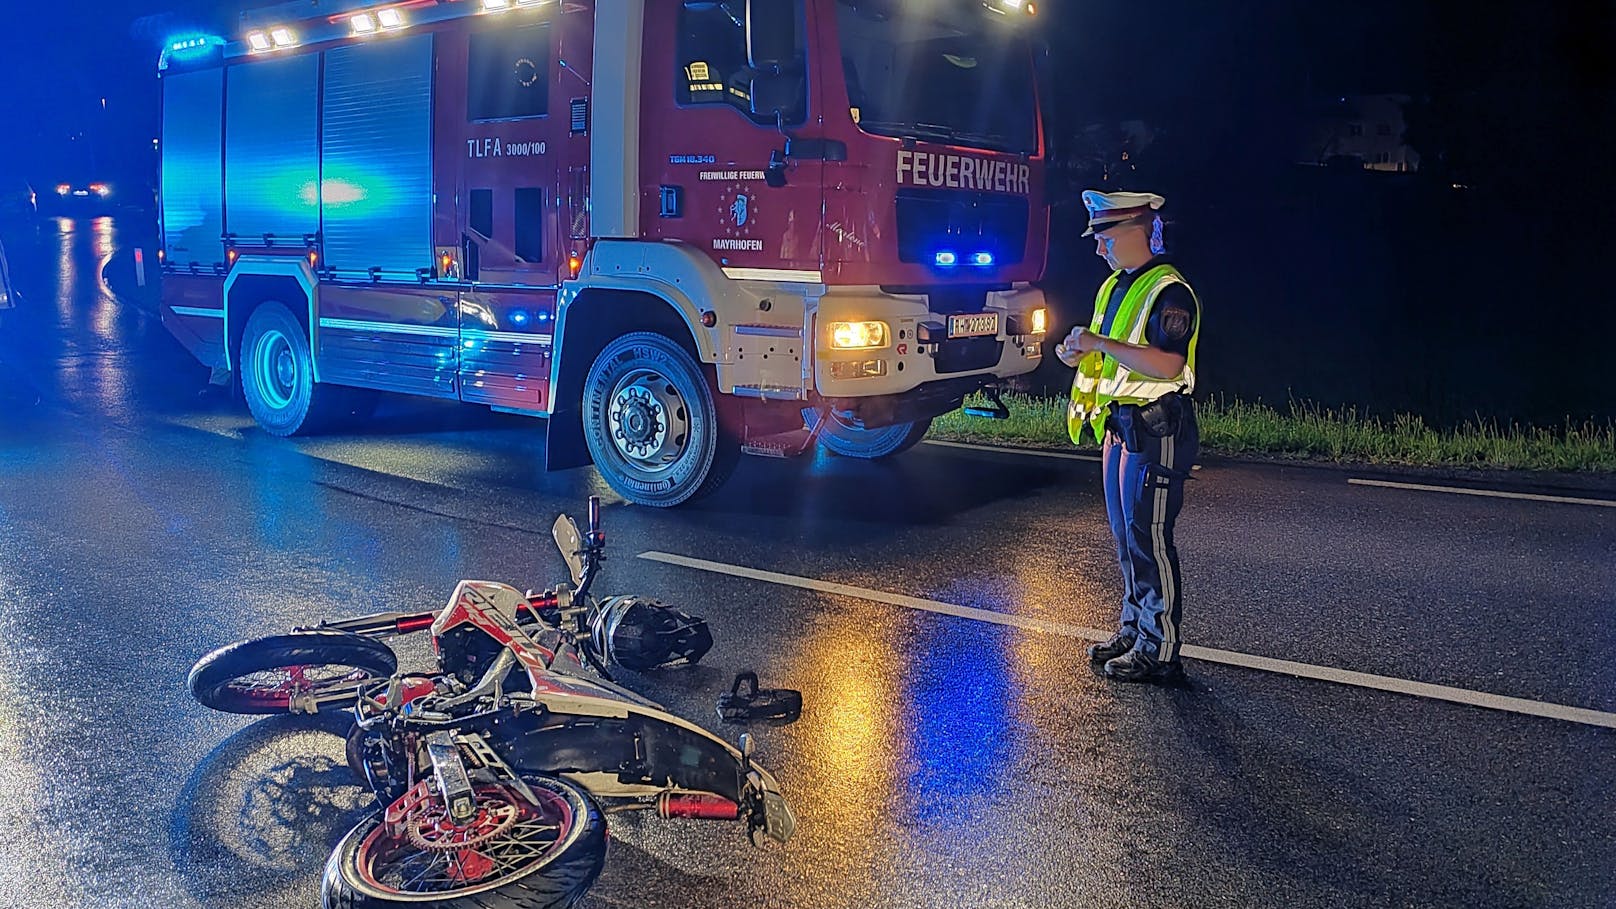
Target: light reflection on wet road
{"points": [[940, 762]]}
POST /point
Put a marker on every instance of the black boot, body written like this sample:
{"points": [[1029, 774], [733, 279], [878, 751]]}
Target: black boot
{"points": [[1119, 644], [1138, 666]]}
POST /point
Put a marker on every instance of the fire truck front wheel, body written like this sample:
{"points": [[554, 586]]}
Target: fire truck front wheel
{"points": [[277, 375], [870, 444], [651, 421]]}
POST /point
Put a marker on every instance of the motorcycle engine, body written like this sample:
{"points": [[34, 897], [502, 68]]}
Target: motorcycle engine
{"points": [[465, 652], [638, 633]]}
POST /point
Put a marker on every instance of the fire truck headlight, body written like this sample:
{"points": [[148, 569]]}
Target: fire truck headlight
{"points": [[363, 24], [258, 41], [858, 335], [1039, 321], [283, 37], [390, 18]]}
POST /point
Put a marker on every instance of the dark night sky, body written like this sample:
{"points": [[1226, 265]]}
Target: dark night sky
{"points": [[1190, 62]]}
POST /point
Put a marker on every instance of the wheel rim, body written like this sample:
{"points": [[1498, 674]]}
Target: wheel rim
{"points": [[278, 686], [508, 838], [648, 420], [275, 368]]}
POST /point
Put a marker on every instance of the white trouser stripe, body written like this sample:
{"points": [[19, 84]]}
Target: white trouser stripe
{"points": [[1164, 569]]}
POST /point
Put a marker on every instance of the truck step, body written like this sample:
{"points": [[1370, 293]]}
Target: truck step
{"points": [[781, 445]]}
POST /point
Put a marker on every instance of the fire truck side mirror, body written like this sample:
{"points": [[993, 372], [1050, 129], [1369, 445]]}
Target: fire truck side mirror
{"points": [[771, 35]]}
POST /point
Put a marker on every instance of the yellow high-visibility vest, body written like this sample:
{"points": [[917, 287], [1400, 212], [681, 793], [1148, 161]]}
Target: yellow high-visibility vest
{"points": [[1101, 379]]}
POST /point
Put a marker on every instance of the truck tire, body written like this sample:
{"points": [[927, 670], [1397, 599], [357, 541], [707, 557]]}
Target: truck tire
{"points": [[651, 422], [869, 444], [277, 376], [547, 860]]}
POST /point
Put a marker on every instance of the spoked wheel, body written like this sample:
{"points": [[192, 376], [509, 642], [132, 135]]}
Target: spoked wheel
{"points": [[512, 854], [274, 674]]}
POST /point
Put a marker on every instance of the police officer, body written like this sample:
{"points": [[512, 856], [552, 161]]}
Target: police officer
{"points": [[1135, 372]]}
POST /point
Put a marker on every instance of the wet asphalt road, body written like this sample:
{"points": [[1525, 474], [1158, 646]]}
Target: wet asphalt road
{"points": [[942, 761]]}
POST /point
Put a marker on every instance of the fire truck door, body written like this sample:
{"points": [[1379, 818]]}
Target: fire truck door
{"points": [[708, 156], [508, 126]]}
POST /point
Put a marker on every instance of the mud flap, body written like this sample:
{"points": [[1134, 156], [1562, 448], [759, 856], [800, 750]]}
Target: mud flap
{"points": [[564, 446]]}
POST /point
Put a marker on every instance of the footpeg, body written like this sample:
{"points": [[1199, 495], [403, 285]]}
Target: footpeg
{"points": [[747, 703]]}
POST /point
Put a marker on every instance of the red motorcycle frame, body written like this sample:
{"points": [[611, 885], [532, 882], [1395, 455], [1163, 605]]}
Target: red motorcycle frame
{"points": [[493, 770]]}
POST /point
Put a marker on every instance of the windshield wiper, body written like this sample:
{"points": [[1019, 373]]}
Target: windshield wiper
{"points": [[991, 141], [909, 130], [994, 141]]}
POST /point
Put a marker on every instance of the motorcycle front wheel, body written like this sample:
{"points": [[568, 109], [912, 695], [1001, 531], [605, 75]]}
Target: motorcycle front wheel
{"points": [[513, 855], [264, 675]]}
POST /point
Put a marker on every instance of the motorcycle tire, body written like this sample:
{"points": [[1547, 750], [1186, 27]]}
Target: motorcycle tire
{"points": [[260, 675], [371, 869]]}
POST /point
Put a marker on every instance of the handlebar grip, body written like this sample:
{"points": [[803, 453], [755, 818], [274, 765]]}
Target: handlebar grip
{"points": [[594, 515]]}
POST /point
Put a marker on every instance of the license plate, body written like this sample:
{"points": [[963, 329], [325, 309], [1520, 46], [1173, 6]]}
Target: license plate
{"points": [[973, 325]]}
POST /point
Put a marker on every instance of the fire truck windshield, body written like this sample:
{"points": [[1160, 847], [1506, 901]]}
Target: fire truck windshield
{"points": [[958, 79]]}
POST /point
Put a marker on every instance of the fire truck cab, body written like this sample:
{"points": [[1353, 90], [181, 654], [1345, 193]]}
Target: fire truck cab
{"points": [[676, 230]]}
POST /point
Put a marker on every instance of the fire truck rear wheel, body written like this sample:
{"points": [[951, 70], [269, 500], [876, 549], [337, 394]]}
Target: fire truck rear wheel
{"points": [[277, 376], [651, 422], [868, 444]]}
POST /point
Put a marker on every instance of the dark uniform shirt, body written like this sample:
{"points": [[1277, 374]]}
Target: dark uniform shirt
{"points": [[1173, 318]]}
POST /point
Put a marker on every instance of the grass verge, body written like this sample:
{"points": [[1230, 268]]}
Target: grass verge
{"points": [[1308, 432]]}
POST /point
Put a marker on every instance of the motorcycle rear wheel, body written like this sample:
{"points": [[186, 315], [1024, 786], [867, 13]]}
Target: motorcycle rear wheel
{"points": [[264, 674], [547, 860]]}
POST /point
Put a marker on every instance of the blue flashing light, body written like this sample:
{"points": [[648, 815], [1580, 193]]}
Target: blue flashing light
{"points": [[519, 317], [189, 47], [982, 258], [947, 258]]}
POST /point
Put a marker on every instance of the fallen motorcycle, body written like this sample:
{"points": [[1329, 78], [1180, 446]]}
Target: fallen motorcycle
{"points": [[495, 772]]}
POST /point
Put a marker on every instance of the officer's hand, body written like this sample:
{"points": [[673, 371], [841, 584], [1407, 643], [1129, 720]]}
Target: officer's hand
{"points": [[1082, 340], [1067, 355]]}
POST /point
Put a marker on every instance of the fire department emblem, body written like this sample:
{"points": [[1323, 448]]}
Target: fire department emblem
{"points": [[737, 209]]}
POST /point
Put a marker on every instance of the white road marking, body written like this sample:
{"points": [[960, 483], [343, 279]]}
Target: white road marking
{"points": [[1211, 655], [1489, 493], [1033, 452]]}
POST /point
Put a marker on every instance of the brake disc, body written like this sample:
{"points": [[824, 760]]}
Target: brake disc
{"points": [[433, 830]]}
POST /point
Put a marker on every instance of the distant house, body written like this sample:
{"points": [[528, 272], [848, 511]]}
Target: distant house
{"points": [[1360, 130]]}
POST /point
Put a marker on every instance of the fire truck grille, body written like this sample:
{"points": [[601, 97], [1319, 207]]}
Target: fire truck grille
{"points": [[933, 221], [967, 354]]}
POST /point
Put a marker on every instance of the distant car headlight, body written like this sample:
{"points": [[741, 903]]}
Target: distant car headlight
{"points": [[101, 189], [63, 189], [858, 335]]}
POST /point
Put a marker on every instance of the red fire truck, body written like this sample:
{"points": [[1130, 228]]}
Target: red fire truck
{"points": [[676, 230]]}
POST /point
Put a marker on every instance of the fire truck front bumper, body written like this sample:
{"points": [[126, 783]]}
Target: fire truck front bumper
{"points": [[872, 344]]}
